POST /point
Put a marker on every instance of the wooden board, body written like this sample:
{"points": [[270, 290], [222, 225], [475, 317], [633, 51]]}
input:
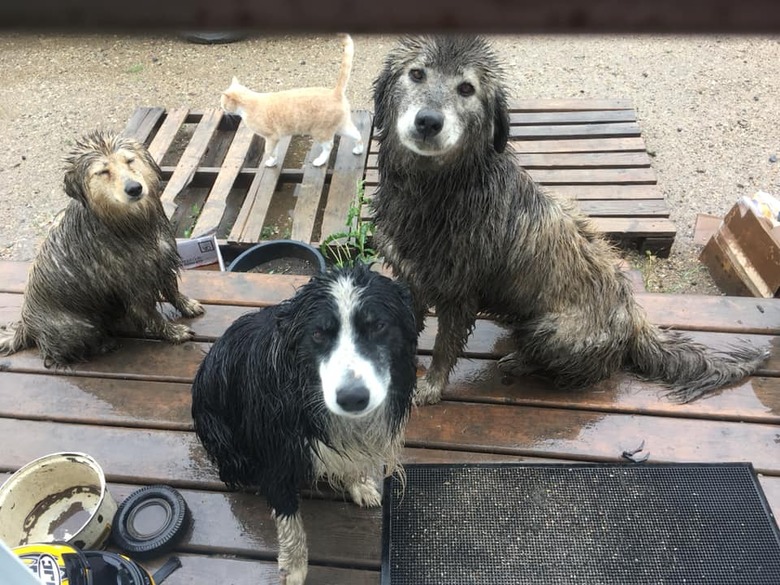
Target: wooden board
{"points": [[131, 411], [586, 149]]}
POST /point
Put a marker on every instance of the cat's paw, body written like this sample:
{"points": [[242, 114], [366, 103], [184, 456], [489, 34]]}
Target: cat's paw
{"points": [[271, 162], [358, 149], [319, 161]]}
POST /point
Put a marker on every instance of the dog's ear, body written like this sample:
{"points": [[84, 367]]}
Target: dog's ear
{"points": [[382, 87], [74, 187], [500, 121]]}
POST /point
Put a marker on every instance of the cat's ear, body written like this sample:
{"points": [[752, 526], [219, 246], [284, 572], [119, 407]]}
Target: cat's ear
{"points": [[235, 81]]}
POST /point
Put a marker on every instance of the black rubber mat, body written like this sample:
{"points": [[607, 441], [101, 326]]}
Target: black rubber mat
{"points": [[603, 524]]}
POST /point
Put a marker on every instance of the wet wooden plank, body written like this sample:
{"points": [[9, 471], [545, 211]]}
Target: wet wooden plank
{"points": [[627, 144], [634, 208], [591, 160], [208, 569], [142, 123], [564, 145], [102, 400], [249, 223], [691, 312], [216, 201], [570, 131], [139, 359], [174, 118], [567, 160], [176, 457], [308, 195], [567, 104], [607, 192], [544, 177], [570, 117], [636, 227], [347, 172], [190, 158], [91, 400], [590, 436]]}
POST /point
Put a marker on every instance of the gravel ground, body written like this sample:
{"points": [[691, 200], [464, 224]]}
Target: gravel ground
{"points": [[707, 106]]}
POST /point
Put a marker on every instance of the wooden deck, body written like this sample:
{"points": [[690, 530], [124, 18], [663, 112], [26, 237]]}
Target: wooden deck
{"points": [[131, 411], [590, 150]]}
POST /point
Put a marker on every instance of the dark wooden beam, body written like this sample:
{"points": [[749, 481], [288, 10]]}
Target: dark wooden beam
{"points": [[366, 16]]}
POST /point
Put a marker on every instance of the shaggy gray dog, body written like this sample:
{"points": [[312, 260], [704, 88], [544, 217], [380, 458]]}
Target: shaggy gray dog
{"points": [[468, 229], [111, 258]]}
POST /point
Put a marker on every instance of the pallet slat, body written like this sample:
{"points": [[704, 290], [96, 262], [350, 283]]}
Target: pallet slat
{"points": [[164, 138], [575, 131], [308, 197], [216, 202], [347, 172], [190, 158], [250, 220], [570, 117], [142, 123]]}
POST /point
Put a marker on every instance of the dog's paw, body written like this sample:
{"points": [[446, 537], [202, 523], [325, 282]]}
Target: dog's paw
{"points": [[271, 162], [191, 308], [319, 161], [176, 333], [426, 393], [292, 576], [358, 149], [365, 494], [513, 364]]}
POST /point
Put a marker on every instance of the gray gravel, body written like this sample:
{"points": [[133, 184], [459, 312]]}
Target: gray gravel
{"points": [[707, 106]]}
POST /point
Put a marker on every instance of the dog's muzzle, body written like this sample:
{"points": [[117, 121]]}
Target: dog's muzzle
{"points": [[134, 189], [353, 396]]}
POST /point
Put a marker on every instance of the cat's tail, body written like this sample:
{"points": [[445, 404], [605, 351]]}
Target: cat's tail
{"points": [[346, 65]]}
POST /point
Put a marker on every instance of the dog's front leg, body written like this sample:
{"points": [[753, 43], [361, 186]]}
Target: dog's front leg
{"points": [[293, 551], [456, 322]]}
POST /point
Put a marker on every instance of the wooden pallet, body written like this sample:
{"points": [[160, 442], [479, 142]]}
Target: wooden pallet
{"points": [[131, 411], [590, 150]]}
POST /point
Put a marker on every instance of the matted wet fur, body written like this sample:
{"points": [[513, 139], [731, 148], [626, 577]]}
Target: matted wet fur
{"points": [[469, 230], [318, 386], [319, 112], [111, 258]]}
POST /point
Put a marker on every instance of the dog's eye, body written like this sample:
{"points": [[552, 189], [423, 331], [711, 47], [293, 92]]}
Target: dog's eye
{"points": [[104, 173], [465, 89], [377, 326], [417, 75], [318, 335], [130, 161]]}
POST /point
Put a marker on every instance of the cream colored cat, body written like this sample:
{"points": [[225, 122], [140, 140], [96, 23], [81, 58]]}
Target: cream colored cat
{"points": [[319, 112]]}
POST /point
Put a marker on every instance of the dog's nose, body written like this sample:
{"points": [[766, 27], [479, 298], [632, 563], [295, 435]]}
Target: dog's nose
{"points": [[353, 396], [428, 122], [133, 189]]}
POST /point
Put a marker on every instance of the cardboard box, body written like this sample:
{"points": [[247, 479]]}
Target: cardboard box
{"points": [[202, 252], [743, 255]]}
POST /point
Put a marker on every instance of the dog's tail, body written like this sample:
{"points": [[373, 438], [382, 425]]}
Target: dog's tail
{"points": [[14, 338], [346, 65], [688, 368]]}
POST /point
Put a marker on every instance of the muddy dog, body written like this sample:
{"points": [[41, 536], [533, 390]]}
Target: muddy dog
{"points": [[111, 258], [469, 230]]}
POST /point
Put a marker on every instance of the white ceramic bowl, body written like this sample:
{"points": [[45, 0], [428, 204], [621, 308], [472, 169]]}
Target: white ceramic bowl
{"points": [[61, 497]]}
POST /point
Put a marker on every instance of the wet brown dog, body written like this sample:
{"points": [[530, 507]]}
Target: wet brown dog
{"points": [[110, 259], [467, 228]]}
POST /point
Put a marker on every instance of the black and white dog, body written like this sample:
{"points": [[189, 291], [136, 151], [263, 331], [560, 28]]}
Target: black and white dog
{"points": [[319, 386]]}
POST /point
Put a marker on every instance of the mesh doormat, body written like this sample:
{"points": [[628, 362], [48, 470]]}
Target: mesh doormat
{"points": [[608, 524]]}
